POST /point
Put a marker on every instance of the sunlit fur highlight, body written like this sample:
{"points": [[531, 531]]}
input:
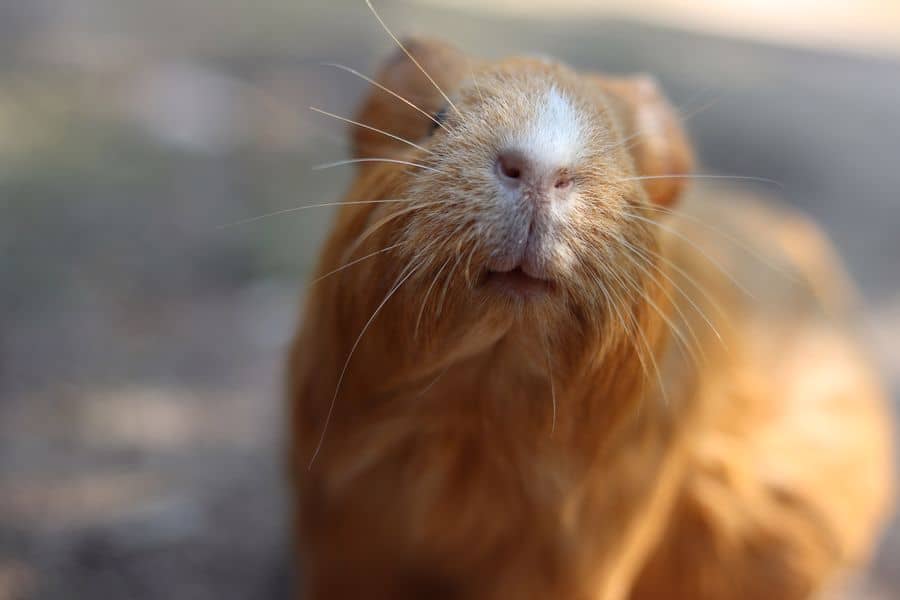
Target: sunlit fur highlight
{"points": [[646, 431]]}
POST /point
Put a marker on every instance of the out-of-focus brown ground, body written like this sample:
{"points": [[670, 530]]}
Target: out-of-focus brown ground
{"points": [[140, 344]]}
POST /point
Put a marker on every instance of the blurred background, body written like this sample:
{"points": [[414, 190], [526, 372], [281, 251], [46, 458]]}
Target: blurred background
{"points": [[141, 342]]}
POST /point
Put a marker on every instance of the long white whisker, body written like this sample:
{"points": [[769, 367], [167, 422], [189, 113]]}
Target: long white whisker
{"points": [[552, 386], [687, 240], [425, 297], [743, 246], [347, 363], [646, 260], [683, 118], [370, 128], [689, 351], [699, 109], [704, 176], [632, 137], [643, 336], [304, 207], [385, 89], [434, 381], [411, 57], [475, 81], [625, 325], [447, 280], [703, 291], [382, 222], [353, 262], [469, 263], [353, 161]]}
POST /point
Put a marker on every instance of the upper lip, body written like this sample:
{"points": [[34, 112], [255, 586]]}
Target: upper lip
{"points": [[521, 252]]}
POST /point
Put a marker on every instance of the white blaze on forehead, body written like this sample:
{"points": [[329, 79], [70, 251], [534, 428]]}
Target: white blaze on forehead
{"points": [[553, 134]]}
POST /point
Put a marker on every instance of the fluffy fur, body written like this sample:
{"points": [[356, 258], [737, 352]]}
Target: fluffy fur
{"points": [[682, 416]]}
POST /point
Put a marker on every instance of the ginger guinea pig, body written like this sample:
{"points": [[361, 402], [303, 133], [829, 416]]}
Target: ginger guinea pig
{"points": [[524, 373]]}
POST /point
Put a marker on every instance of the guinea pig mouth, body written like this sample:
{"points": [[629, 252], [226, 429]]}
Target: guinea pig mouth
{"points": [[516, 283]]}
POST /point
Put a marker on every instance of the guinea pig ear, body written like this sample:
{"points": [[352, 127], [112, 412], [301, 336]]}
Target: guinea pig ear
{"points": [[654, 135], [444, 64]]}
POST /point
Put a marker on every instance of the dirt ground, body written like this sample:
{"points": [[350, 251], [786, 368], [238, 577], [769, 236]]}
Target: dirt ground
{"points": [[141, 343]]}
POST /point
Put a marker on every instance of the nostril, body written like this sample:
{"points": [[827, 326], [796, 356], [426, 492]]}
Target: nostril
{"points": [[511, 165], [511, 171], [562, 182]]}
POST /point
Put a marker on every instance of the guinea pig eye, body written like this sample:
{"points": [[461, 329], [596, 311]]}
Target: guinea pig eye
{"points": [[437, 120]]}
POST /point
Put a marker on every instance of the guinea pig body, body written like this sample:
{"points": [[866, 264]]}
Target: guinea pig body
{"points": [[522, 374]]}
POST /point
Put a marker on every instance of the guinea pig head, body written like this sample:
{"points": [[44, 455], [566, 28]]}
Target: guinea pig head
{"points": [[529, 185]]}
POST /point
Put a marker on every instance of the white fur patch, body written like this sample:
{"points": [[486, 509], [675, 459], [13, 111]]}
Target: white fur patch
{"points": [[554, 137]]}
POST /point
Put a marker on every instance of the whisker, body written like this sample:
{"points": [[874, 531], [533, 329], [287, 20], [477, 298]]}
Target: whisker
{"points": [[304, 207], [434, 381], [646, 343], [680, 312], [632, 138], [625, 326], [354, 262], [679, 335], [389, 91], [552, 386], [704, 107], [704, 176], [703, 291], [347, 363], [475, 81], [382, 222], [687, 240], [370, 128], [743, 246], [630, 325], [683, 118], [411, 57], [640, 254], [439, 308], [353, 161], [425, 298], [468, 269]]}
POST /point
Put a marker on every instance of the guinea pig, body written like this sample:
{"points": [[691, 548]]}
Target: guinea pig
{"points": [[533, 366]]}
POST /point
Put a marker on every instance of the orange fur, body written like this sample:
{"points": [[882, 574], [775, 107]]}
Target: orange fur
{"points": [[570, 447]]}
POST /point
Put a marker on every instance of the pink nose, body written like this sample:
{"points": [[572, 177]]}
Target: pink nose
{"points": [[517, 172]]}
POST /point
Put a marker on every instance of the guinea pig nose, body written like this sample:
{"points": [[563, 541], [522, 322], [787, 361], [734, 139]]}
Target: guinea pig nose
{"points": [[512, 167], [516, 170]]}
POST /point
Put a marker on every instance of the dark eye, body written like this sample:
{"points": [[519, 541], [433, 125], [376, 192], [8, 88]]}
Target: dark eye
{"points": [[439, 118]]}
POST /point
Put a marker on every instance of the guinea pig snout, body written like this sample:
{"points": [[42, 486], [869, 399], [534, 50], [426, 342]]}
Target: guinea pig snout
{"points": [[532, 207], [531, 180]]}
